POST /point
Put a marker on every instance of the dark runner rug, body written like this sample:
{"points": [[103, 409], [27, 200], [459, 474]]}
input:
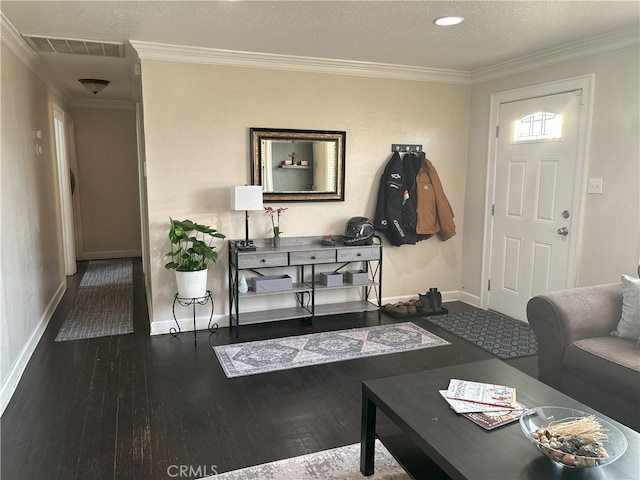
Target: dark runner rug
{"points": [[504, 337], [263, 356], [103, 304]]}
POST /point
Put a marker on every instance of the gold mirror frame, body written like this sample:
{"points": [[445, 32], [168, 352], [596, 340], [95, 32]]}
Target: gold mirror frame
{"points": [[269, 162]]}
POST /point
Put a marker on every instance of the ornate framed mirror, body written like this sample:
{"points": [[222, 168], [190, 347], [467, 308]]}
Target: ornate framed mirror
{"points": [[298, 165]]}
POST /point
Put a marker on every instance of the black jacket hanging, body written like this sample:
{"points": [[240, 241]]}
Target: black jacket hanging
{"points": [[411, 165], [396, 208], [388, 216]]}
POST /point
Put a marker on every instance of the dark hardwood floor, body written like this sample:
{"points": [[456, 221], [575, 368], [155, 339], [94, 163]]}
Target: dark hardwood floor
{"points": [[139, 406]]}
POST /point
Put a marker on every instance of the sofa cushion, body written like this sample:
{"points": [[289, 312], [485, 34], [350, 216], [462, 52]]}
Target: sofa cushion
{"points": [[611, 362], [629, 324]]}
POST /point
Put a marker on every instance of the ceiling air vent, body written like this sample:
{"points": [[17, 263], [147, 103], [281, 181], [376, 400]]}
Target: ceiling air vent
{"points": [[74, 46]]}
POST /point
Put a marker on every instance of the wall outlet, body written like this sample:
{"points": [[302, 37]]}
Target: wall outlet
{"points": [[594, 185]]}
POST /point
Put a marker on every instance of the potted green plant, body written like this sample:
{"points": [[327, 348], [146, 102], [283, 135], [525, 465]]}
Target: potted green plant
{"points": [[191, 251]]}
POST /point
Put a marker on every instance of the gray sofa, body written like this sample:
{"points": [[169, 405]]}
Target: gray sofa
{"points": [[578, 356]]}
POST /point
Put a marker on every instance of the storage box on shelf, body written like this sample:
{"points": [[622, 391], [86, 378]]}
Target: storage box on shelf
{"points": [[272, 283], [357, 277], [298, 257], [331, 279]]}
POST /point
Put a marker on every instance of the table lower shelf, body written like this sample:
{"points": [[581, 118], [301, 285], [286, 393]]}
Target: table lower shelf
{"points": [[272, 315], [299, 312]]}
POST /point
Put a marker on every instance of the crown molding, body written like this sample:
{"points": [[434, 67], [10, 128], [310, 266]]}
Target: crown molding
{"points": [[10, 37], [564, 53], [232, 58], [570, 51], [14, 42]]}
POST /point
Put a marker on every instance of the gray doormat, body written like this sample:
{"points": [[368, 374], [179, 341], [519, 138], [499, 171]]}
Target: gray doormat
{"points": [[504, 337], [103, 304], [341, 463], [263, 356]]}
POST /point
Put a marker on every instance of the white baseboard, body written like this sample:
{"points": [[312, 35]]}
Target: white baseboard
{"points": [[186, 324], [472, 300], [11, 383], [111, 254]]}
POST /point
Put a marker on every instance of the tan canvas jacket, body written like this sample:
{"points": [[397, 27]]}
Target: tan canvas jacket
{"points": [[435, 214]]}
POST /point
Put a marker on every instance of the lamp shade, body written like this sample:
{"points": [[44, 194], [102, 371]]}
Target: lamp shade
{"points": [[246, 197]]}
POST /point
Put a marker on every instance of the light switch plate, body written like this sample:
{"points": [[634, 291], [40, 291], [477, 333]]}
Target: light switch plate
{"points": [[595, 185]]}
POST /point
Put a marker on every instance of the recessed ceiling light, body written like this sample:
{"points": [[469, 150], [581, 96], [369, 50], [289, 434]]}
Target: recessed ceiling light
{"points": [[448, 21]]}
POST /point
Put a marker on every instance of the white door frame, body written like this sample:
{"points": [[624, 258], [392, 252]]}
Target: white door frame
{"points": [[584, 82], [61, 153], [142, 188], [75, 196]]}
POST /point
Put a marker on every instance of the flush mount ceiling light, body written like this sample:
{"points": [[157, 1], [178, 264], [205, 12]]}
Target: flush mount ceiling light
{"points": [[94, 85], [448, 21]]}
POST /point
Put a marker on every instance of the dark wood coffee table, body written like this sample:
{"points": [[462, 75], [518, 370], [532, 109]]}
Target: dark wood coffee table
{"points": [[462, 449]]}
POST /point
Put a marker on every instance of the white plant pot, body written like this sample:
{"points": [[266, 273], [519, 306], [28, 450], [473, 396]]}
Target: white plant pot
{"points": [[192, 284]]}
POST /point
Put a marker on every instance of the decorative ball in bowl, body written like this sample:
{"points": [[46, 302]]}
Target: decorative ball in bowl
{"points": [[573, 438]]}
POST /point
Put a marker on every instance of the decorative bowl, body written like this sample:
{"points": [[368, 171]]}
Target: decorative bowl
{"points": [[579, 448]]}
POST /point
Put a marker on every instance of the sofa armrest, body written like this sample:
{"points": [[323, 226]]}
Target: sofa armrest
{"points": [[560, 318]]}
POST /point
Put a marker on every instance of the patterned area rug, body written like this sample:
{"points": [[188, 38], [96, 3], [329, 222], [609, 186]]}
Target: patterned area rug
{"points": [[290, 352], [341, 463], [504, 337], [104, 302]]}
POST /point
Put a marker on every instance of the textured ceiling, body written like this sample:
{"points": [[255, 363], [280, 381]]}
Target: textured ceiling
{"points": [[390, 32]]}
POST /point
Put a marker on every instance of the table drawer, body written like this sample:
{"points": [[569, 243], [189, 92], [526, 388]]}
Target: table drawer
{"points": [[261, 260], [354, 254], [312, 256]]}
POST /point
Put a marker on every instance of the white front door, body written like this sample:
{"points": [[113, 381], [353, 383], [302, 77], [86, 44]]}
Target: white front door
{"points": [[534, 202]]}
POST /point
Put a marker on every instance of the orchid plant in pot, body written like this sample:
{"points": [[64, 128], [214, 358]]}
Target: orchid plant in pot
{"points": [[191, 251], [275, 213]]}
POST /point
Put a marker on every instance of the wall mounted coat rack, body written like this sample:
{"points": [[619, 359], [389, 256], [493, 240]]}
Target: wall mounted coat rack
{"points": [[405, 147]]}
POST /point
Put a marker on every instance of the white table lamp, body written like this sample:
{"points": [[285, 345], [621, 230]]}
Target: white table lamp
{"points": [[246, 197]]}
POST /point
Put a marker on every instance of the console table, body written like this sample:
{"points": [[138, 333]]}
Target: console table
{"points": [[303, 258]]}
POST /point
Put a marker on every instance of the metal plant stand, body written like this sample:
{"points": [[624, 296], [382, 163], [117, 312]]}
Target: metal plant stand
{"points": [[192, 302]]}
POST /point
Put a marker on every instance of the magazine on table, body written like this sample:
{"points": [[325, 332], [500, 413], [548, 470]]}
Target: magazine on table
{"points": [[463, 406], [487, 393], [491, 420]]}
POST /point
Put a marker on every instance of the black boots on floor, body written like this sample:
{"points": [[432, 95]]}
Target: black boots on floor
{"points": [[433, 299], [427, 304]]}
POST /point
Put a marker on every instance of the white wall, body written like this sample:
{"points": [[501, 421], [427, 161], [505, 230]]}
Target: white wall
{"points": [[107, 181], [197, 120], [32, 270], [609, 242]]}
